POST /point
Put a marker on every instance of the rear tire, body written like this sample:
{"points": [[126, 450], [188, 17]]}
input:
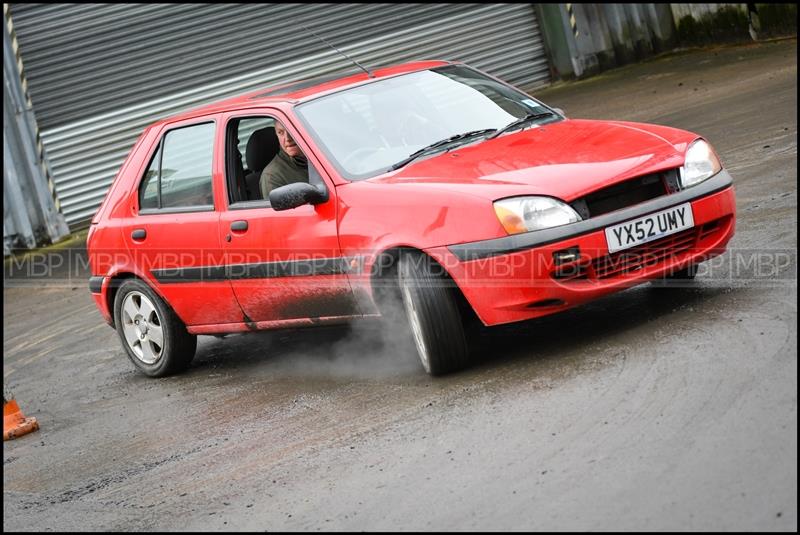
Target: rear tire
{"points": [[153, 336], [430, 301]]}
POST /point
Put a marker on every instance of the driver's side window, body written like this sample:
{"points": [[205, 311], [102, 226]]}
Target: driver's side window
{"points": [[250, 146], [261, 155]]}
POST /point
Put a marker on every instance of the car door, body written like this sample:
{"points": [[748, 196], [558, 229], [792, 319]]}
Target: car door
{"points": [[283, 265], [173, 231]]}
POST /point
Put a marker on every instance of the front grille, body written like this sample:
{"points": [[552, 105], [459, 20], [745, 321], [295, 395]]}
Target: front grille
{"points": [[628, 193], [636, 258], [643, 256]]}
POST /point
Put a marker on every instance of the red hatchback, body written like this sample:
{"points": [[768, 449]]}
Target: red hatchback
{"points": [[428, 184]]}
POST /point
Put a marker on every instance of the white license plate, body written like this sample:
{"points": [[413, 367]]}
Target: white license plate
{"points": [[650, 227]]}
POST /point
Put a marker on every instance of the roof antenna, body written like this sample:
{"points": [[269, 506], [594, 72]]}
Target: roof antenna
{"points": [[340, 52]]}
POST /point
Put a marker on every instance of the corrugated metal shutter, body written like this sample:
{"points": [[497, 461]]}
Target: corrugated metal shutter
{"points": [[99, 73]]}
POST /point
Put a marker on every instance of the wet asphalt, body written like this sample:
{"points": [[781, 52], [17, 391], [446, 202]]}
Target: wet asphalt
{"points": [[652, 409]]}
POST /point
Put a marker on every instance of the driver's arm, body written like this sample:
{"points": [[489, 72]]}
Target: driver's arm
{"points": [[270, 180]]}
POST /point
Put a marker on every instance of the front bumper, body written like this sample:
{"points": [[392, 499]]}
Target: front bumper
{"points": [[518, 277]]}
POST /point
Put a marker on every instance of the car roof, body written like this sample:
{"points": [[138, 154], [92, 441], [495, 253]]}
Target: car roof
{"points": [[302, 90]]}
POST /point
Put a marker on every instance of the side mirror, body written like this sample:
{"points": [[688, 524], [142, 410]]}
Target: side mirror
{"points": [[296, 194], [559, 111]]}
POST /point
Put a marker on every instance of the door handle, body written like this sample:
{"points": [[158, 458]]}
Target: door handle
{"points": [[240, 225], [139, 234]]}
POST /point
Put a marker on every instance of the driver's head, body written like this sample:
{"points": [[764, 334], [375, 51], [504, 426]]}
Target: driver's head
{"points": [[285, 141]]}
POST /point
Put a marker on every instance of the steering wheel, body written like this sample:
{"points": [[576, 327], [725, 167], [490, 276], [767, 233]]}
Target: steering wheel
{"points": [[412, 123], [360, 152]]}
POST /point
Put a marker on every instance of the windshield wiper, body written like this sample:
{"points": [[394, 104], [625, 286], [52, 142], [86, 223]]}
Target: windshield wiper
{"points": [[441, 143], [519, 122]]}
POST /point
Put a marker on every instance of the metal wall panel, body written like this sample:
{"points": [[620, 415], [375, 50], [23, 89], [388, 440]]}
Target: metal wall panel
{"points": [[697, 11], [99, 73], [30, 213]]}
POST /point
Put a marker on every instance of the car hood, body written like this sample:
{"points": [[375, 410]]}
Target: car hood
{"points": [[566, 159]]}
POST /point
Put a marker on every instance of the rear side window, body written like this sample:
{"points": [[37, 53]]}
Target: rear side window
{"points": [[179, 175], [148, 196]]}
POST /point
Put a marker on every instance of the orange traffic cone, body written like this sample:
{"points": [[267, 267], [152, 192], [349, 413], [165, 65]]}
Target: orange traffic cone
{"points": [[14, 422]]}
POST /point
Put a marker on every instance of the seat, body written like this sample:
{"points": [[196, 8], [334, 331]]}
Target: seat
{"points": [[261, 149]]}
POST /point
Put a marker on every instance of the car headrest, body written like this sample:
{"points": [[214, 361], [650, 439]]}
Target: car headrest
{"points": [[261, 148]]}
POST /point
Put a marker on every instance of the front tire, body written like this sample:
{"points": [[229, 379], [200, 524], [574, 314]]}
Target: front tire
{"points": [[153, 336], [675, 279], [688, 273], [431, 305]]}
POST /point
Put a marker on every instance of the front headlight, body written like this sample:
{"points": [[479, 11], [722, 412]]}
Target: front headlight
{"points": [[523, 214], [701, 163]]}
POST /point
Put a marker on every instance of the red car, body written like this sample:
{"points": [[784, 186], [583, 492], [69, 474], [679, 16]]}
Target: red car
{"points": [[429, 184]]}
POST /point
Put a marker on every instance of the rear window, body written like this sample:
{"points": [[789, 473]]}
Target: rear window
{"points": [[180, 173]]}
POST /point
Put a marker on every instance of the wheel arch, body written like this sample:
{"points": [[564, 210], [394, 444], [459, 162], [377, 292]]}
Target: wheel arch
{"points": [[383, 276], [114, 283]]}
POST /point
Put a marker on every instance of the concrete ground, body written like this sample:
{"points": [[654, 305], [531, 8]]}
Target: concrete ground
{"points": [[647, 410]]}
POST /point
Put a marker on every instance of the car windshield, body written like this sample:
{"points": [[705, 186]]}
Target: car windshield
{"points": [[367, 130]]}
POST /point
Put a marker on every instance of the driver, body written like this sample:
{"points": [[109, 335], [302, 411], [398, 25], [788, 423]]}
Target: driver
{"points": [[288, 166]]}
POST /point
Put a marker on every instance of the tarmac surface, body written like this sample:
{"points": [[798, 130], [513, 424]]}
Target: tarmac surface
{"points": [[652, 409]]}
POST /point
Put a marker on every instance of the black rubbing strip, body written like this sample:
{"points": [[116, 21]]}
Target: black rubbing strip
{"points": [[264, 270], [96, 284], [195, 274]]}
